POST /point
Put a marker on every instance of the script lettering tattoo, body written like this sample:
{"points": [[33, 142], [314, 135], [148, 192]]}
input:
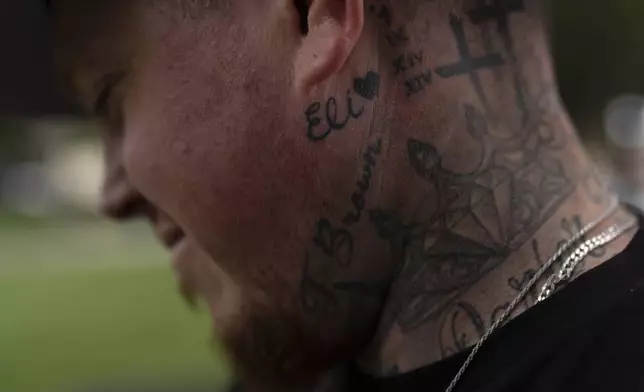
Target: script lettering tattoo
{"points": [[337, 244], [319, 127], [315, 296], [364, 184], [319, 291], [332, 122], [570, 227], [465, 317], [500, 11], [460, 326], [334, 249], [518, 283], [469, 65]]}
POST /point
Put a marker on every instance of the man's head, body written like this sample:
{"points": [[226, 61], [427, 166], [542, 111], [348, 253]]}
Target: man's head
{"points": [[267, 140]]}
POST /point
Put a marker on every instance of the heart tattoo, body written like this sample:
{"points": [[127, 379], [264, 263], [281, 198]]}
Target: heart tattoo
{"points": [[368, 86]]}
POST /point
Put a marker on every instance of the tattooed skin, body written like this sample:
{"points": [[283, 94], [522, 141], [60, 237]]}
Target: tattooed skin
{"points": [[473, 220], [483, 216], [480, 216], [334, 246], [453, 338], [319, 126]]}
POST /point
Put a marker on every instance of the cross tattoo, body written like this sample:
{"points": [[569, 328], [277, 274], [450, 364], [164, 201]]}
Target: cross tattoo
{"points": [[468, 64], [499, 11]]}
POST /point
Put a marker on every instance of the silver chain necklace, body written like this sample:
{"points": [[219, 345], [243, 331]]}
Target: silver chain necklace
{"points": [[556, 279], [568, 266]]}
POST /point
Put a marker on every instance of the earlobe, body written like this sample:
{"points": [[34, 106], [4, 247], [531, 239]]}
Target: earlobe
{"points": [[334, 28]]}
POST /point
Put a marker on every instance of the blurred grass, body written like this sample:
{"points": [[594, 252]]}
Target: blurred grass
{"points": [[86, 303]]}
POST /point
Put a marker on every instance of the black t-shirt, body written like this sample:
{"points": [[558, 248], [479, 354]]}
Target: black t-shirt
{"points": [[589, 337]]}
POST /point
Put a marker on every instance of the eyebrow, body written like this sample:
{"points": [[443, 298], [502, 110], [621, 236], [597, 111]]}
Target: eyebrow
{"points": [[106, 84]]}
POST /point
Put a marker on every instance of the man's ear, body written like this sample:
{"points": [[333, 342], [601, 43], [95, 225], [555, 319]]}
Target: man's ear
{"points": [[334, 28]]}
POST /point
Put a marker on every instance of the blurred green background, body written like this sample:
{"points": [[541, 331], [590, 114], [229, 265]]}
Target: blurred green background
{"points": [[86, 306]]}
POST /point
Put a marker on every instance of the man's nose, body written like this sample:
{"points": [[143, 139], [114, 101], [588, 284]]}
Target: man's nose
{"points": [[120, 199]]}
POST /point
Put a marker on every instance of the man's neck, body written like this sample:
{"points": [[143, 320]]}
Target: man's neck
{"points": [[490, 178], [493, 228], [481, 175]]}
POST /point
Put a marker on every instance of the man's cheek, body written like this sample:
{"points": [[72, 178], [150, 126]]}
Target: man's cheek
{"points": [[248, 209], [244, 215]]}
